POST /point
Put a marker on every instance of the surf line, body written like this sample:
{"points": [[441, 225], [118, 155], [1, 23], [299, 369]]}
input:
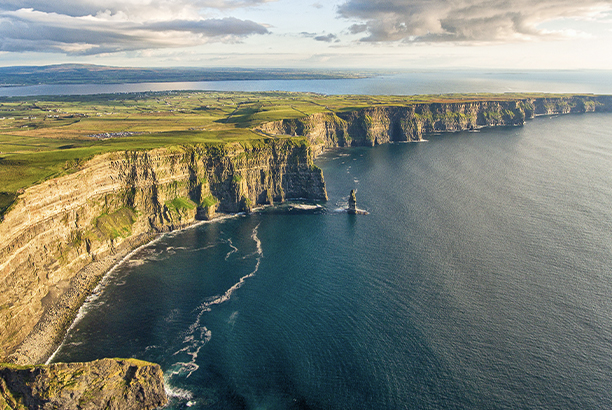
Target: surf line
{"points": [[198, 335], [95, 295], [234, 249], [108, 275]]}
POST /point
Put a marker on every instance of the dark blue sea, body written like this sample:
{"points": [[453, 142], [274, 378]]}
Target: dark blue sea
{"points": [[481, 279]]}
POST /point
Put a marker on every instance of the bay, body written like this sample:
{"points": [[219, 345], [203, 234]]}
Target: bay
{"points": [[404, 83], [481, 278]]}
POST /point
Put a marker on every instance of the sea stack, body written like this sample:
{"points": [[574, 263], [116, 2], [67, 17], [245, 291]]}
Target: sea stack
{"points": [[352, 203]]}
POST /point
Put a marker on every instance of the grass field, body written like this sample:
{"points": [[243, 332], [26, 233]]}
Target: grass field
{"points": [[44, 137]]}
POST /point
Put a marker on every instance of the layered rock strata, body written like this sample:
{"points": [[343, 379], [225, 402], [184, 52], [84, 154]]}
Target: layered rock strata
{"points": [[383, 124], [91, 218], [62, 235], [116, 384]]}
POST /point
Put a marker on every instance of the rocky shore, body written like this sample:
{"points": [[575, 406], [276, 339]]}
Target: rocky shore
{"points": [[61, 236], [61, 310]]}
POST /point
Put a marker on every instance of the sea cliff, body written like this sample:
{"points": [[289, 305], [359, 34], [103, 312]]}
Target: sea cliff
{"points": [[383, 124], [62, 235]]}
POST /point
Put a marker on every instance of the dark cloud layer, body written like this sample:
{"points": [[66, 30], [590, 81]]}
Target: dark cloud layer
{"points": [[107, 26], [461, 20]]}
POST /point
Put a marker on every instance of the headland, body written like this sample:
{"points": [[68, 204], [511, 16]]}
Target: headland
{"points": [[75, 204]]}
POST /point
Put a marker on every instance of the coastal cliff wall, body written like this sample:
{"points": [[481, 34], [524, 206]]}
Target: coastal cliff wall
{"points": [[383, 124], [115, 202], [61, 235]]}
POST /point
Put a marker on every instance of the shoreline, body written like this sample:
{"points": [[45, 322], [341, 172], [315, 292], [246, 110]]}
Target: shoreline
{"points": [[49, 334]]}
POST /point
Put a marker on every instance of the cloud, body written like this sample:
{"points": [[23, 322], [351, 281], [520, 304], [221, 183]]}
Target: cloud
{"points": [[78, 8], [463, 20], [119, 29], [328, 38]]}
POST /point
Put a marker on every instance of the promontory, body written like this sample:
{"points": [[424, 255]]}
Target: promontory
{"points": [[84, 180]]}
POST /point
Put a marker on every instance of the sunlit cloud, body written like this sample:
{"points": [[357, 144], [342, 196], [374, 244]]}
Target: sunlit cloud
{"points": [[120, 26], [465, 20], [132, 8]]}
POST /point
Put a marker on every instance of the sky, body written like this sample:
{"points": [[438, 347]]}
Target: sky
{"points": [[333, 34]]}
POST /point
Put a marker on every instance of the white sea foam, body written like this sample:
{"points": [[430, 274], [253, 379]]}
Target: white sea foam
{"points": [[178, 393], [90, 301], [194, 345], [110, 274], [136, 262], [198, 335], [234, 249], [232, 319], [306, 207]]}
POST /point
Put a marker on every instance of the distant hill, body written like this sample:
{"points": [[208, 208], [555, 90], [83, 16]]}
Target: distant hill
{"points": [[96, 74]]}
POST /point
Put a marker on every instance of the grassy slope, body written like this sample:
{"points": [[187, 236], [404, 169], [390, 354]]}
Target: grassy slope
{"points": [[44, 137]]}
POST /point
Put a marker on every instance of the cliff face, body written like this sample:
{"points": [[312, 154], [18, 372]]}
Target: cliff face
{"points": [[103, 384], [60, 235], [379, 125], [114, 203]]}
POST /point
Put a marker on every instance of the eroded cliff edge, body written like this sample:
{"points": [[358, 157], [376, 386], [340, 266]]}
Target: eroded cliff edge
{"points": [[383, 124], [61, 235]]}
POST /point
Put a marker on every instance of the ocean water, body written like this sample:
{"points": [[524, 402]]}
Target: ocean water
{"points": [[481, 278], [406, 83]]}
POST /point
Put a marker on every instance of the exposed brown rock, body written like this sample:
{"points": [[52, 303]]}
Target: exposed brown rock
{"points": [[115, 384]]}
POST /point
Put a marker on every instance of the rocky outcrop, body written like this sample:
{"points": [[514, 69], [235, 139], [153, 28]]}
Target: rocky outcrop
{"points": [[115, 202], [102, 384], [352, 203], [383, 124]]}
